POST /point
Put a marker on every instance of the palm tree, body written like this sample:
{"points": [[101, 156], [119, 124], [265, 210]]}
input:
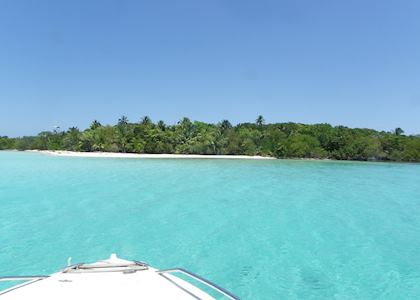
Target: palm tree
{"points": [[146, 121], [225, 125], [73, 130], [260, 121], [72, 139], [398, 131], [184, 121], [123, 133], [186, 128], [95, 124], [123, 120], [161, 125]]}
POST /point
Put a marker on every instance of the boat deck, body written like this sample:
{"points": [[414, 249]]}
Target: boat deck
{"points": [[144, 284], [113, 278]]}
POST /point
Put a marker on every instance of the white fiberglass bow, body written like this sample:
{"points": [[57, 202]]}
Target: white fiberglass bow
{"points": [[113, 278]]}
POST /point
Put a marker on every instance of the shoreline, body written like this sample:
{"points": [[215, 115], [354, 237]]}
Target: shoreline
{"points": [[195, 156], [144, 155]]}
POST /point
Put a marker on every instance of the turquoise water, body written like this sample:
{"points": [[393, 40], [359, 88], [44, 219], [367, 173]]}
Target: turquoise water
{"points": [[262, 229]]}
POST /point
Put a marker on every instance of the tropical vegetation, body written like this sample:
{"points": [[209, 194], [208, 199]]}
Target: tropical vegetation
{"points": [[281, 140]]}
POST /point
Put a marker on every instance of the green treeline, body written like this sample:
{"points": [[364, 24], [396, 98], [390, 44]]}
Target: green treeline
{"points": [[282, 140]]}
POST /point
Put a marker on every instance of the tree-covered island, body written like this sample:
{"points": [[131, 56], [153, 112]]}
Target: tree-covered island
{"points": [[281, 140]]}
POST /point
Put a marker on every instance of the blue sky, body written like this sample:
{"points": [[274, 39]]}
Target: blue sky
{"points": [[355, 63]]}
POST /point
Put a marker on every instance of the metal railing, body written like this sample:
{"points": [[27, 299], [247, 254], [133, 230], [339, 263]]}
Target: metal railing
{"points": [[22, 278], [27, 280], [204, 281]]}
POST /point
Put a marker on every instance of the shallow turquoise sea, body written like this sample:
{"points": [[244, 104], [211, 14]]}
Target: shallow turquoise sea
{"points": [[279, 229]]}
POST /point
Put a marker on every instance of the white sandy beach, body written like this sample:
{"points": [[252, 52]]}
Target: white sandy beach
{"points": [[134, 155]]}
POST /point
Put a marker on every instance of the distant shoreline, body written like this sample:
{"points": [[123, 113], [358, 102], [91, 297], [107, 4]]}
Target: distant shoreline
{"points": [[66, 153], [137, 155], [206, 140]]}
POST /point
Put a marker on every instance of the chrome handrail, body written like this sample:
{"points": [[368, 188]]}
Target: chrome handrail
{"points": [[204, 281], [22, 278]]}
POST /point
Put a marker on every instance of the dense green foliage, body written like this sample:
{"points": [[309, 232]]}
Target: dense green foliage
{"points": [[282, 140]]}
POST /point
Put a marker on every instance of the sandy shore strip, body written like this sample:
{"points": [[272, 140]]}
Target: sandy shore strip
{"points": [[134, 155]]}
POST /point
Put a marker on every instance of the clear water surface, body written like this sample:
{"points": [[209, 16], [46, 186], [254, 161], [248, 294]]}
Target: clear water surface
{"points": [[263, 229]]}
